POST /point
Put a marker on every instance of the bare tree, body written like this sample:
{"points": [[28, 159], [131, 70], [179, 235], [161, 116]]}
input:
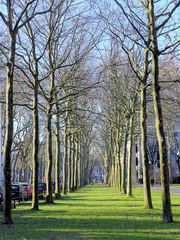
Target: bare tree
{"points": [[14, 23]]}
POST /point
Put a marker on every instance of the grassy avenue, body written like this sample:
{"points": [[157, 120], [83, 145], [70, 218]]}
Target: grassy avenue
{"points": [[94, 212]]}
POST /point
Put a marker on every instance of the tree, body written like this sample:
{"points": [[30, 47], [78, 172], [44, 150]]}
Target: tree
{"points": [[157, 24], [153, 28], [14, 23], [128, 33]]}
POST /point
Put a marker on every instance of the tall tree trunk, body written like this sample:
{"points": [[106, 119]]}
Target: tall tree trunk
{"points": [[131, 128], [58, 154], [146, 180], [64, 184], [106, 172], [76, 163], [7, 218], [115, 159], [120, 169], [166, 200], [49, 198], [81, 156], [113, 169], [14, 167], [123, 175], [35, 194], [116, 179], [169, 159], [86, 167], [73, 162], [119, 159], [69, 161], [79, 163]]}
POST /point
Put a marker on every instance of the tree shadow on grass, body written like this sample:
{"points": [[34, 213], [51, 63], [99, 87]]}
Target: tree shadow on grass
{"points": [[88, 228]]}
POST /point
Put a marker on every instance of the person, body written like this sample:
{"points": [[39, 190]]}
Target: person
{"points": [[152, 181]]}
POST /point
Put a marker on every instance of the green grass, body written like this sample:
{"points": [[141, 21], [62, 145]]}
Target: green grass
{"points": [[94, 212]]}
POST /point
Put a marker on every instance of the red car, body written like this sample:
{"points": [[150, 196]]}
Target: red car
{"points": [[28, 189]]}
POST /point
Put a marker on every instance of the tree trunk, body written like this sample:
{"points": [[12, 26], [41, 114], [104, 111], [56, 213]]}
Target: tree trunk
{"points": [[111, 175], [8, 143], [106, 172], [76, 163], [167, 213], [87, 172], [123, 175], [14, 167], [146, 180], [79, 164], [120, 169], [119, 158], [49, 198], [7, 219], [113, 168], [73, 163], [64, 184], [58, 155], [69, 162], [35, 194], [166, 200], [80, 172], [131, 128]]}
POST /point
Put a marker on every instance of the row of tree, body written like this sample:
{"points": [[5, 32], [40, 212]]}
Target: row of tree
{"points": [[45, 46], [78, 80], [145, 31]]}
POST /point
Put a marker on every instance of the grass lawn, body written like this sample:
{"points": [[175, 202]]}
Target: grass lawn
{"points": [[94, 212]]}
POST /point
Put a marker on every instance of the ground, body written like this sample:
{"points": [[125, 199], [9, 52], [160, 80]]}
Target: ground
{"points": [[94, 212]]}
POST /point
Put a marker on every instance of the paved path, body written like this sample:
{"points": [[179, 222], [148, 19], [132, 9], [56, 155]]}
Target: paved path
{"points": [[173, 188]]}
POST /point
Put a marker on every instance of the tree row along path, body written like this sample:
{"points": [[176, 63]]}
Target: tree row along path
{"points": [[94, 212]]}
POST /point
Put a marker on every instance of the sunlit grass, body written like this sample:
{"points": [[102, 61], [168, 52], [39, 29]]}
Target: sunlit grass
{"points": [[94, 212]]}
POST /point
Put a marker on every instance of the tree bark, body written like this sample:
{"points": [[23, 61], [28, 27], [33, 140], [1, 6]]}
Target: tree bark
{"points": [[131, 128], [49, 198], [35, 194], [73, 163], [119, 157], [113, 168], [166, 200], [118, 162], [69, 162], [7, 218], [64, 185], [146, 180], [79, 163], [123, 175], [106, 168], [58, 155], [76, 163]]}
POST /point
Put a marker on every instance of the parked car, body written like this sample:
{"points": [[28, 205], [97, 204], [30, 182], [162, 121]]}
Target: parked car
{"points": [[27, 189], [18, 192]]}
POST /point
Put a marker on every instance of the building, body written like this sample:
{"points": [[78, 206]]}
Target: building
{"points": [[173, 145]]}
